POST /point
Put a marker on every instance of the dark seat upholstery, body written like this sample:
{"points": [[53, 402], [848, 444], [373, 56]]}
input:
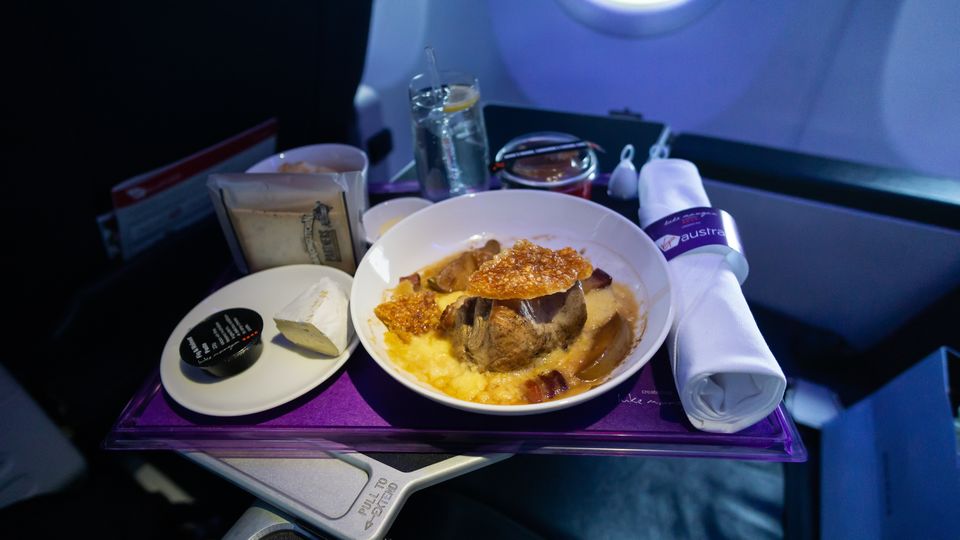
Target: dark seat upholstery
{"points": [[100, 92]]}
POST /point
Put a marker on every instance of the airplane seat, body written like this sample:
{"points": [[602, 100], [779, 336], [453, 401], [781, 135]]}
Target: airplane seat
{"points": [[112, 90], [120, 89]]}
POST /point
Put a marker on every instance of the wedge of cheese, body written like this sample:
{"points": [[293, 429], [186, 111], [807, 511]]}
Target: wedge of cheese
{"points": [[317, 319]]}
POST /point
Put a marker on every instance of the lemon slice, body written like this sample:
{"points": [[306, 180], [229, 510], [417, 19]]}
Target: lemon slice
{"points": [[460, 97]]}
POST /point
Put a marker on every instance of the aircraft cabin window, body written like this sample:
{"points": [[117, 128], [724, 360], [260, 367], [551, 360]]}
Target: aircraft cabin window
{"points": [[636, 18]]}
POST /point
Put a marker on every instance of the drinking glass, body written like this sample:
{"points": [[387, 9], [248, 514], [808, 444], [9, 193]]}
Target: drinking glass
{"points": [[449, 139]]}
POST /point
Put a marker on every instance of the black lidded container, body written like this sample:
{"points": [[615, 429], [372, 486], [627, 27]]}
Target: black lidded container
{"points": [[224, 343]]}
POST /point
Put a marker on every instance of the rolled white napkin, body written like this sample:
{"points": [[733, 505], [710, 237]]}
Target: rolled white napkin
{"points": [[726, 375]]}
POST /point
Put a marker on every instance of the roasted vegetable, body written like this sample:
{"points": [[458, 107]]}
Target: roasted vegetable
{"points": [[610, 344]]}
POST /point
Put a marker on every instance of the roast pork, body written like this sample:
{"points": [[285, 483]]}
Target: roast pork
{"points": [[506, 335]]}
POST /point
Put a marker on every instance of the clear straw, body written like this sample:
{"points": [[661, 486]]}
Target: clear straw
{"points": [[444, 132], [434, 75]]}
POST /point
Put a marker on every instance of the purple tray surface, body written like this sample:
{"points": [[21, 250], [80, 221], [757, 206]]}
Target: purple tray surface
{"points": [[361, 408]]}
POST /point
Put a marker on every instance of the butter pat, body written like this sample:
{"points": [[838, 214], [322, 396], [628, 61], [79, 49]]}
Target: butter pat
{"points": [[317, 319]]}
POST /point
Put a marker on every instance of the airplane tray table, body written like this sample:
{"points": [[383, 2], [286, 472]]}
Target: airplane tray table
{"points": [[362, 409]]}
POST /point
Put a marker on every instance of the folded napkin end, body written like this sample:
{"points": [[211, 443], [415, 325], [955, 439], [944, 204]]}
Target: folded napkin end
{"points": [[724, 407]]}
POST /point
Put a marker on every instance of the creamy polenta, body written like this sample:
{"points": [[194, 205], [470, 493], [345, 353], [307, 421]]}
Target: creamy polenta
{"points": [[429, 357]]}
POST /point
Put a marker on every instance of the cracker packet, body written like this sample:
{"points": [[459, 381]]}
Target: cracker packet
{"points": [[276, 219]]}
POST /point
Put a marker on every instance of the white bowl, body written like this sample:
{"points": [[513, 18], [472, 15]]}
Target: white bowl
{"points": [[378, 219], [341, 157], [555, 220]]}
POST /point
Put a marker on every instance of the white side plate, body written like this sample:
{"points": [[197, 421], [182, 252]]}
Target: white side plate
{"points": [[283, 372]]}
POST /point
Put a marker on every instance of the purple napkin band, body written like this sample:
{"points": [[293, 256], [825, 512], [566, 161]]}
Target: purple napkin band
{"points": [[701, 230]]}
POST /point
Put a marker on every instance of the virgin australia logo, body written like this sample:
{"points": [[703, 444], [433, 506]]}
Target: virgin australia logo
{"points": [[668, 242]]}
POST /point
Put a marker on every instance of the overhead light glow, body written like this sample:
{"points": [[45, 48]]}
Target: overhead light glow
{"points": [[636, 18], [641, 4]]}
